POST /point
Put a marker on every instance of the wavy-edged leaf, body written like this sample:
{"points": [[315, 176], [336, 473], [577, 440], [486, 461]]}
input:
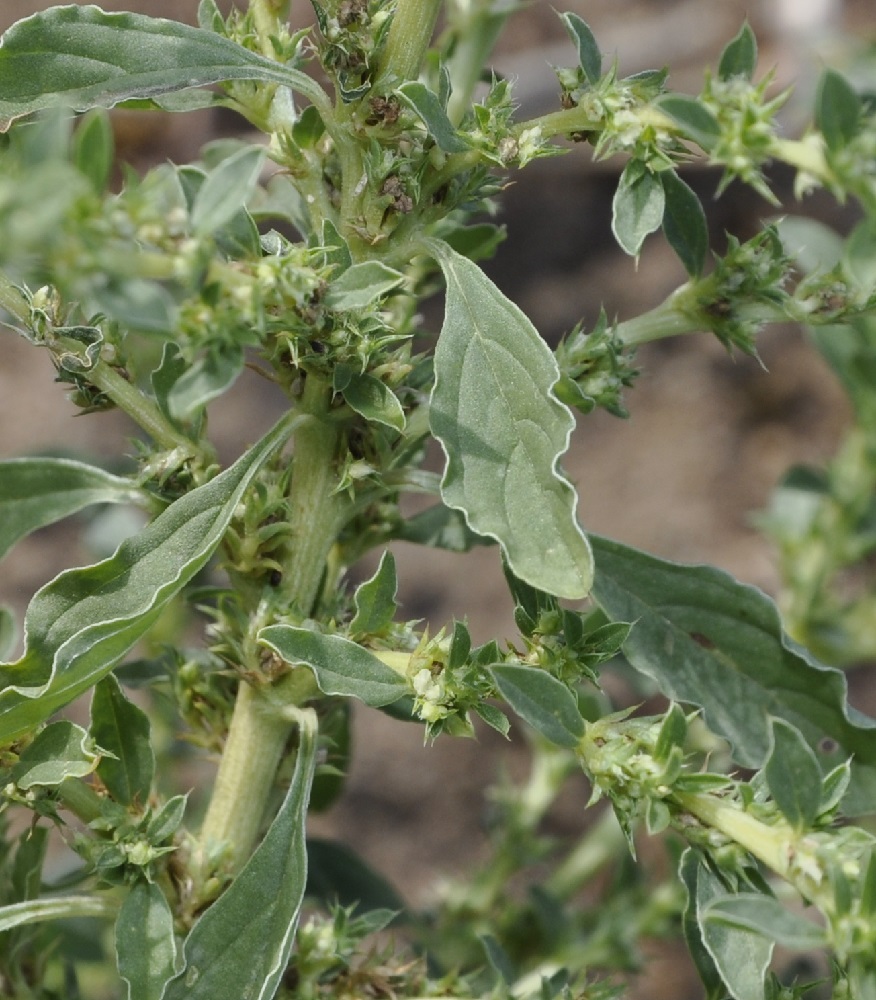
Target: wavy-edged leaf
{"points": [[83, 57], [240, 946], [62, 750], [709, 640], [542, 701], [503, 431], [121, 727], [340, 666], [35, 911], [145, 943], [82, 623], [35, 492], [375, 599]]}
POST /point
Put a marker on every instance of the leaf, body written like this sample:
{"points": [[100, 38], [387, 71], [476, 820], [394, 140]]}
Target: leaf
{"points": [[374, 401], [697, 121], [709, 640], [375, 599], [35, 492], [741, 956], [94, 150], [440, 527], [226, 190], [426, 105], [503, 430], [240, 947], [341, 667], [690, 870], [84, 58], [85, 620], [837, 110], [542, 701], [361, 285], [35, 911], [793, 775], [8, 631], [208, 377], [684, 223], [739, 57], [589, 56], [122, 728], [62, 750], [336, 874], [638, 207], [766, 916], [145, 943]]}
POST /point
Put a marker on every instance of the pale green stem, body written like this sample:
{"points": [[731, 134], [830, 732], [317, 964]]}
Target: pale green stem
{"points": [[476, 29], [409, 36], [267, 15], [81, 799]]}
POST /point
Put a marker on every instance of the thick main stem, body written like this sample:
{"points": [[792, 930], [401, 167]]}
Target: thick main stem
{"points": [[409, 36]]}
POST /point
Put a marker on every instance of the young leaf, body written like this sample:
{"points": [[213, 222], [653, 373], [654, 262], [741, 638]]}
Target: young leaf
{"points": [[361, 285], [204, 380], [35, 492], [673, 732], [711, 641], [837, 110], [542, 701], [684, 223], [766, 916], [340, 666], [503, 431], [739, 58], [240, 946], [793, 775], [589, 56], [427, 107], [375, 599], [145, 944], [694, 117], [83, 622], [637, 208], [62, 750], [35, 911], [227, 189], [374, 400], [86, 58], [122, 728]]}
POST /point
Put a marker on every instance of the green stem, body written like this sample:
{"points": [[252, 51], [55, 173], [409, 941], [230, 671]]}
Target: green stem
{"points": [[267, 15], [81, 799], [409, 36]]}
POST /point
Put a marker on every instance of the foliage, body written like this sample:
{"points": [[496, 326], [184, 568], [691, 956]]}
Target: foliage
{"points": [[306, 255]]}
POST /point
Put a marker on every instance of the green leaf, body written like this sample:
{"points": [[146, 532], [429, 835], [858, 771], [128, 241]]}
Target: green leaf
{"points": [[82, 623], [694, 117], [673, 732], [494, 411], [171, 368], [336, 874], [164, 824], [122, 728], [145, 943], [766, 916], [638, 207], [35, 911], [35, 492], [709, 640], [542, 701], [837, 110], [62, 750], [440, 527], [360, 285], [341, 667], [690, 870], [589, 56], [204, 380], [793, 775], [8, 631], [84, 58], [740, 956], [739, 58], [375, 599], [684, 223], [94, 149], [374, 400], [427, 107], [242, 943], [226, 190]]}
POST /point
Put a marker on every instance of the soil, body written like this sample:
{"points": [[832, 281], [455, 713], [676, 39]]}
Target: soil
{"points": [[708, 436]]}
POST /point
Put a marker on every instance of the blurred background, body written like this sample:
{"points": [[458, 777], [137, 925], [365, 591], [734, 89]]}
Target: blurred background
{"points": [[708, 437]]}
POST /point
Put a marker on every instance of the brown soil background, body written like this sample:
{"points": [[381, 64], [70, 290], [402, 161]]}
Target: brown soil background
{"points": [[709, 434]]}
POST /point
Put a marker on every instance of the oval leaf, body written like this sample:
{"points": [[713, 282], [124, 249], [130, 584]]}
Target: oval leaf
{"points": [[82, 623], [240, 946], [84, 58], [684, 223], [837, 110], [62, 750], [122, 728], [503, 431], [694, 117], [227, 189], [374, 401], [793, 775], [708, 640], [739, 58], [35, 492], [341, 667], [542, 701], [589, 56], [145, 943], [637, 208]]}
